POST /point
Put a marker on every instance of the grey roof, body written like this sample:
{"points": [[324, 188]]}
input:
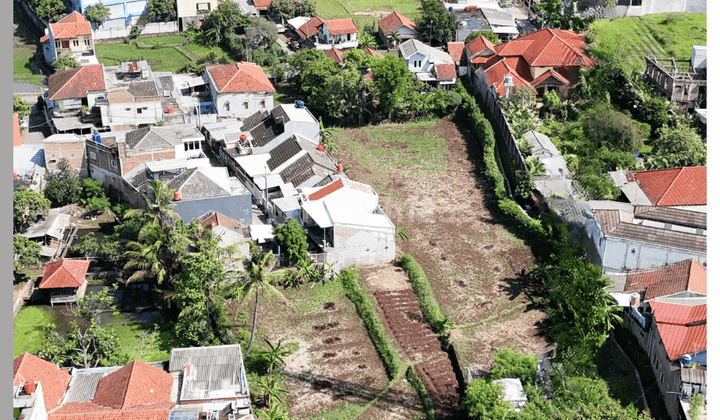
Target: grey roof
{"points": [[143, 89], [672, 215], [84, 383], [411, 46], [497, 17], [265, 132], [149, 138], [250, 122], [279, 114], [296, 168], [215, 372], [53, 225], [663, 237], [283, 152], [193, 185]]}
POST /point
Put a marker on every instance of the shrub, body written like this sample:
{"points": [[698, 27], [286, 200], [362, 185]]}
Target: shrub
{"points": [[379, 337], [419, 388], [513, 364], [428, 305]]}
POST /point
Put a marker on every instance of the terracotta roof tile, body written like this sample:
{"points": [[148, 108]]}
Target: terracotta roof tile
{"points": [[262, 4], [136, 384], [445, 71], [327, 190], [548, 48], [372, 52], [548, 74], [76, 83], [455, 49], [310, 28], [688, 275], [682, 328], [496, 75], [478, 45], [70, 27], [334, 54], [64, 273], [240, 77], [53, 379], [90, 411], [393, 21], [341, 26], [685, 186]]}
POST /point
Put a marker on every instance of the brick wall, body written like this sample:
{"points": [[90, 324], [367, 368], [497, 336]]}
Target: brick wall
{"points": [[74, 152], [131, 161]]}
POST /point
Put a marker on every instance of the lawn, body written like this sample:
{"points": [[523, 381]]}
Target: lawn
{"points": [[367, 12], [159, 59], [28, 334], [23, 50], [661, 35]]}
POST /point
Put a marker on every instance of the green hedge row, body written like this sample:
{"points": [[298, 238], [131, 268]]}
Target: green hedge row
{"points": [[387, 352], [428, 305], [470, 112], [418, 386]]}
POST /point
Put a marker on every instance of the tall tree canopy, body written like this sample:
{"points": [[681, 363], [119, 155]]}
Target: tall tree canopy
{"points": [[292, 239], [97, 14], [63, 186], [436, 22], [391, 77], [283, 10], [50, 10], [676, 147], [20, 107], [28, 207], [161, 10]]}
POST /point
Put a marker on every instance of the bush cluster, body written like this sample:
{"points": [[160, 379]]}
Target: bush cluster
{"points": [[387, 352], [428, 305], [418, 386]]}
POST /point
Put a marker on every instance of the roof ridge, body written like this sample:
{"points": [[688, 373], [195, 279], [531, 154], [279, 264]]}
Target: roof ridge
{"points": [[123, 399]]}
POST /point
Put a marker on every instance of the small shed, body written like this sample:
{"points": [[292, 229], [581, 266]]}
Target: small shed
{"points": [[65, 281], [513, 391]]}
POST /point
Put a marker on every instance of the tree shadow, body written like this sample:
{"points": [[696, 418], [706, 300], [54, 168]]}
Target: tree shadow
{"points": [[524, 285]]}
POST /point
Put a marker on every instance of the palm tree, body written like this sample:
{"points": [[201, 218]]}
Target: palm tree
{"points": [[271, 390], [156, 252], [258, 278], [394, 37], [159, 207]]}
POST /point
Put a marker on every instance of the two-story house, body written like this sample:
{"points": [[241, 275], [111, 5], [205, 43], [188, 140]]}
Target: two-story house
{"points": [[431, 65], [325, 34], [193, 11], [132, 98], [122, 12], [395, 22], [69, 91], [239, 90], [72, 35]]}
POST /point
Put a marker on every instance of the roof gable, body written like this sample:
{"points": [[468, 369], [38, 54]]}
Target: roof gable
{"points": [[136, 384], [393, 22], [334, 54], [682, 328], [146, 139], [340, 26], [310, 28], [240, 77], [445, 71], [496, 76], [548, 48], [53, 379], [455, 49], [71, 26], [76, 83], [326, 190], [64, 273], [683, 276], [480, 45], [193, 184], [550, 77], [685, 186]]}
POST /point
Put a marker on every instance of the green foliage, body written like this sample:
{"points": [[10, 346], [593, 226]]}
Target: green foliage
{"points": [[161, 10], [49, 10], [365, 309], [513, 364], [275, 355], [697, 402], [87, 246], [261, 33], [97, 14], [401, 233], [391, 77], [524, 184], [439, 323], [292, 239], [65, 60], [615, 130], [20, 107], [367, 40], [93, 195], [561, 17], [419, 388], [676, 147], [26, 253], [436, 22], [28, 207], [489, 35], [63, 186], [221, 25], [284, 10], [271, 391], [483, 400], [87, 344]]}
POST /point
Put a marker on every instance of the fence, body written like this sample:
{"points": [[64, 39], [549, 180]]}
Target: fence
{"points": [[154, 28]]}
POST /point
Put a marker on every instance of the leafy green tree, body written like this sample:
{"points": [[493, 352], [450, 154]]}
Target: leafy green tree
{"points": [[63, 186], [275, 355], [697, 402], [261, 33], [161, 10], [97, 14], [283, 10], [436, 22], [158, 207], [390, 77], [65, 60], [489, 35], [222, 25], [156, 253], [292, 239], [483, 400], [257, 279], [93, 195], [20, 107], [367, 40], [26, 253], [28, 207], [394, 37], [49, 10], [513, 364], [677, 147], [87, 246], [87, 344], [605, 126], [535, 165]]}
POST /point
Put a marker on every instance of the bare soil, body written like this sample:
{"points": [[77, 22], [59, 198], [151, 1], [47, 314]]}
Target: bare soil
{"points": [[475, 264]]}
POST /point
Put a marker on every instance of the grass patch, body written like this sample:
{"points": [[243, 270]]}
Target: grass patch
{"points": [[28, 334], [314, 299], [163, 40], [199, 52], [348, 411], [23, 51], [660, 35], [331, 9], [159, 59], [129, 334]]}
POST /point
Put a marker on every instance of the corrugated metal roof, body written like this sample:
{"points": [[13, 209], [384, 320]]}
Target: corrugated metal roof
{"points": [[663, 237], [283, 152], [672, 215], [84, 383], [694, 376], [215, 372]]}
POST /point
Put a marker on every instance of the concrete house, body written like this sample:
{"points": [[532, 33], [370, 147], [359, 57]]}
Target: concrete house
{"points": [[429, 64], [64, 280], [344, 219], [264, 130], [132, 97], [72, 35], [69, 91], [549, 59], [684, 188], [193, 11], [239, 90], [49, 232], [122, 12], [66, 146], [327, 34], [628, 8], [557, 179], [405, 28], [38, 385]]}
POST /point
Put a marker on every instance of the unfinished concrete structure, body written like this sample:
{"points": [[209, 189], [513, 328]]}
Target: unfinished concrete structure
{"points": [[681, 81]]}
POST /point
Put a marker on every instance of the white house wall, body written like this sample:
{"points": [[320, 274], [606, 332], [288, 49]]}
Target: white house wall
{"points": [[236, 101], [424, 63], [126, 113], [356, 245], [136, 6]]}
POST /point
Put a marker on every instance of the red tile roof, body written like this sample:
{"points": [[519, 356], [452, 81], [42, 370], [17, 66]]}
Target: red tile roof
{"points": [[262, 4], [674, 187], [242, 76], [548, 74], [445, 71], [135, 384], [90, 411], [326, 190], [64, 273], [393, 21], [455, 49], [76, 83], [334, 54], [17, 137], [69, 27], [548, 48], [479, 45], [310, 28], [682, 328], [688, 275], [496, 75], [53, 379], [372, 52], [341, 26]]}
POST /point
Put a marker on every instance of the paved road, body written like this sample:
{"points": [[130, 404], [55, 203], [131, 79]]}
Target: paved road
{"points": [[27, 88]]}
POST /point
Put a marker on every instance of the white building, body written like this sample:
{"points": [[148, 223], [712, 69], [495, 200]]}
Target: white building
{"points": [[239, 90]]}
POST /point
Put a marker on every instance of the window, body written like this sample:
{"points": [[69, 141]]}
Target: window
{"points": [[93, 156], [76, 42], [245, 105], [139, 110], [113, 164], [128, 109], [262, 104], [87, 42], [227, 106], [52, 161]]}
